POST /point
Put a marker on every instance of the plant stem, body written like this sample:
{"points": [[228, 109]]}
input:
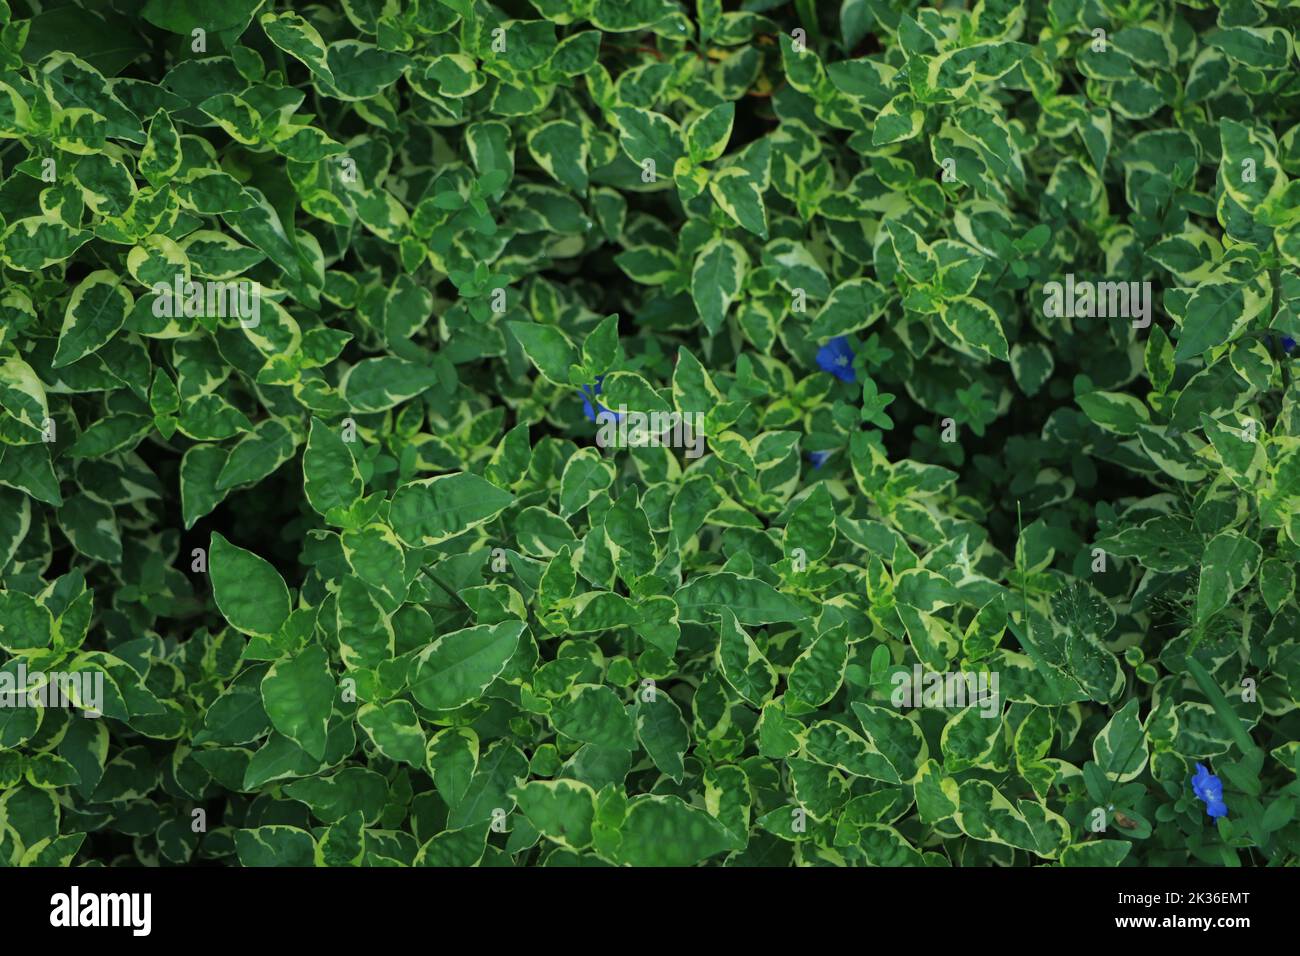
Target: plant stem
{"points": [[1227, 716], [438, 581]]}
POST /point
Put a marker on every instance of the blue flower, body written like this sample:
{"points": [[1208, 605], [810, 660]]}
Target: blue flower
{"points": [[1209, 790], [818, 458], [589, 393], [1288, 343], [837, 358]]}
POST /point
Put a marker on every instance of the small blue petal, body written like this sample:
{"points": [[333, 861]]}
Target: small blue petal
{"points": [[589, 403], [818, 458], [1288, 343], [1209, 790], [836, 357]]}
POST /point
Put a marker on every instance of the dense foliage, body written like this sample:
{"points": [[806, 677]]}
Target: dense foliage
{"points": [[584, 432]]}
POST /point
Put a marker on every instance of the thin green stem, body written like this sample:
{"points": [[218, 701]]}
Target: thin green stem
{"points": [[1227, 716], [438, 581]]}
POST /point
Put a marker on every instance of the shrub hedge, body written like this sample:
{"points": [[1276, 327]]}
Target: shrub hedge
{"points": [[634, 432]]}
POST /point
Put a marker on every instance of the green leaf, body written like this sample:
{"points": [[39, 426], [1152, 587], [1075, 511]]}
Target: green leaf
{"points": [[664, 831], [751, 600], [458, 667], [297, 37], [560, 148], [716, 280], [298, 695], [248, 590], [547, 348], [1229, 562], [98, 308], [562, 810], [663, 733], [451, 758], [331, 478], [377, 384], [395, 731], [968, 738], [593, 714], [1213, 316], [1114, 411], [36, 242], [816, 675], [853, 306], [708, 133], [427, 512], [275, 845], [1096, 853], [975, 326], [1267, 48], [899, 120], [743, 664], [647, 135], [1121, 748], [22, 395]]}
